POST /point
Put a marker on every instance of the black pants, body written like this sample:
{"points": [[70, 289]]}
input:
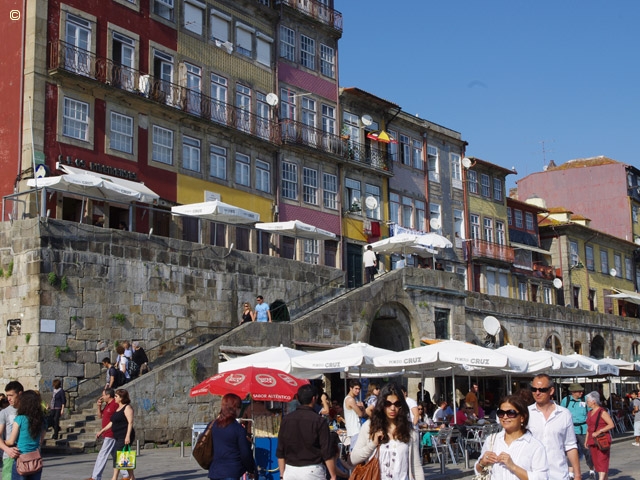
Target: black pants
{"points": [[371, 273], [55, 422]]}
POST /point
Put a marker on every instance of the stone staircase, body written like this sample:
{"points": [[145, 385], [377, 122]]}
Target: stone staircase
{"points": [[77, 434]]}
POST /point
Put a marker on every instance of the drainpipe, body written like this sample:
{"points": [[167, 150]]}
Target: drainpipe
{"points": [[468, 247]]}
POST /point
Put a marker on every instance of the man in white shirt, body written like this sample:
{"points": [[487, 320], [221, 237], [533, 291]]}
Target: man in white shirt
{"points": [[353, 410], [552, 425], [370, 263], [413, 406]]}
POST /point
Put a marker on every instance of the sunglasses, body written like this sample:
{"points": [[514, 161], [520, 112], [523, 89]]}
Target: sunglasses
{"points": [[507, 413], [396, 404], [541, 390]]}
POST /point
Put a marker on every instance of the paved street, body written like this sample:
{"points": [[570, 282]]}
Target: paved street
{"points": [[167, 464]]}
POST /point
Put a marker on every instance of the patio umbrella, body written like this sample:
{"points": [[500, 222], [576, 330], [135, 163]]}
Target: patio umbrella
{"points": [[558, 365], [278, 358], [403, 243], [296, 228], [381, 136], [433, 240], [356, 355], [217, 211], [598, 367], [264, 384]]}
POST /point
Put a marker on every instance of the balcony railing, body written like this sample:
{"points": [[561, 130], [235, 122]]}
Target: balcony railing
{"points": [[82, 62], [296, 133], [484, 249], [316, 9]]}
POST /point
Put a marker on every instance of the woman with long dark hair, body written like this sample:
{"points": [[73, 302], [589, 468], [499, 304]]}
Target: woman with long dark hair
{"points": [[513, 453], [390, 429], [121, 425], [232, 455], [28, 430]]}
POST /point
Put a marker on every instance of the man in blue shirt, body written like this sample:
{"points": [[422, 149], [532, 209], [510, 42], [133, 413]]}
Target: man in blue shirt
{"points": [[263, 314], [578, 408]]}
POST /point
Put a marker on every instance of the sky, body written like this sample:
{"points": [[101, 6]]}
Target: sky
{"points": [[524, 82]]}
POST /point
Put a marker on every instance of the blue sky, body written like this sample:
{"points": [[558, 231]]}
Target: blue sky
{"points": [[506, 74]]}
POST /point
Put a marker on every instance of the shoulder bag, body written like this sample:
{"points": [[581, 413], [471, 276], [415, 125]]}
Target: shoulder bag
{"points": [[29, 463], [486, 470], [603, 441], [369, 470], [203, 449]]}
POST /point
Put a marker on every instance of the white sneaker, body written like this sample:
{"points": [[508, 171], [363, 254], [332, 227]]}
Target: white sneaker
{"points": [[592, 475], [636, 444]]}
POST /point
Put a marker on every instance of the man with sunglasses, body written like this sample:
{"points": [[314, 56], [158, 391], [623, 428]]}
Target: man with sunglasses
{"points": [[552, 425], [263, 314]]}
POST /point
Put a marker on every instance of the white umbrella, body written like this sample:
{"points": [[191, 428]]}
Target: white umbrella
{"points": [[434, 240], [598, 367], [89, 186], [341, 359], [404, 243], [217, 211], [296, 228], [278, 358]]}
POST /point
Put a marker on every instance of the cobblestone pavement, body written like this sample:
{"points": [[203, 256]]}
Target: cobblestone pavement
{"points": [[168, 464]]}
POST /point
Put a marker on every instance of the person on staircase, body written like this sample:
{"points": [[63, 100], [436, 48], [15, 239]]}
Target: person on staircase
{"points": [[56, 407]]}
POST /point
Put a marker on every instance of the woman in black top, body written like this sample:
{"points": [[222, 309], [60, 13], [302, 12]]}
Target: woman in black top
{"points": [[121, 425], [247, 314]]}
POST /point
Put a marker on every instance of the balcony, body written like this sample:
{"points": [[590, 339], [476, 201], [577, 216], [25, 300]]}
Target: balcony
{"points": [[68, 58], [316, 9], [494, 251], [296, 133]]}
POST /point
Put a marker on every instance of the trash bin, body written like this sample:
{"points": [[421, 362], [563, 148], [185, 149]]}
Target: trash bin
{"points": [[266, 460]]}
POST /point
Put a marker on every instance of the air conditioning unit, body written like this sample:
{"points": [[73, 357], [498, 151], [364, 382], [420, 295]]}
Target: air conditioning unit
{"points": [[144, 84]]}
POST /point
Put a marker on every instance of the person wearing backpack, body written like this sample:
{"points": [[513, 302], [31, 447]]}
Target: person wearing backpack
{"points": [[122, 363], [115, 377], [578, 408]]}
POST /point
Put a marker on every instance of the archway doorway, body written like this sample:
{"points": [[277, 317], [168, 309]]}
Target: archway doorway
{"points": [[391, 328], [597, 347]]}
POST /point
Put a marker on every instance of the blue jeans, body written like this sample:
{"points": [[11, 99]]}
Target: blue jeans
{"points": [[16, 476]]}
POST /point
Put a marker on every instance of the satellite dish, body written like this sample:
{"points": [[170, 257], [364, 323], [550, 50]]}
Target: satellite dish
{"points": [[491, 325], [557, 283], [637, 241], [613, 272], [466, 162], [371, 203], [366, 120], [435, 223], [272, 99]]}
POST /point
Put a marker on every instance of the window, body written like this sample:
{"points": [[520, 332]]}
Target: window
{"points": [[588, 253], [288, 111], [500, 233], [522, 291], [420, 215], [289, 180], [243, 107], [394, 208], [218, 158], [243, 165], [194, 88], [123, 52], [416, 154], [310, 186], [497, 189], [220, 24], [191, 153], [433, 165], [458, 226], [353, 194], [435, 213], [218, 98], [162, 139], [485, 182], [75, 119], [518, 215], [327, 61], [328, 119], [309, 119], [392, 148], [509, 218], [634, 213], [574, 259], [164, 9], [263, 112], [405, 149], [287, 43], [372, 191], [547, 295], [194, 16], [456, 171], [604, 261], [311, 251], [263, 176], [407, 212], [244, 39], [163, 76], [628, 268], [121, 137], [263, 49], [475, 226], [330, 191], [617, 264], [307, 52], [472, 176], [529, 219], [78, 39], [441, 323], [488, 229]]}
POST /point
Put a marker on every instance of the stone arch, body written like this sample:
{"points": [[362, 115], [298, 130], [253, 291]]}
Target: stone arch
{"points": [[553, 343], [577, 347], [279, 311], [392, 328], [618, 352], [506, 339], [635, 354], [597, 347]]}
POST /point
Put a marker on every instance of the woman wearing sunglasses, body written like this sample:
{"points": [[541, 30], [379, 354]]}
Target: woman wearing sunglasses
{"points": [[513, 453], [390, 429]]}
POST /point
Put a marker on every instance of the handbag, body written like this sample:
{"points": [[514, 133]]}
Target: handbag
{"points": [[203, 449], [486, 470], [369, 470], [29, 463], [126, 458], [603, 441]]}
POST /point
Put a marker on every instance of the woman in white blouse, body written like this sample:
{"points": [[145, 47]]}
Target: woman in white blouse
{"points": [[513, 453], [390, 429]]}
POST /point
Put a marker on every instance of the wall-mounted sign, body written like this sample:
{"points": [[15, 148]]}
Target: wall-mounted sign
{"points": [[98, 168]]}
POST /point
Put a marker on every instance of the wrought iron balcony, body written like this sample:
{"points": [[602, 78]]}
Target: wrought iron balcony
{"points": [[316, 9], [71, 59], [495, 251], [296, 133]]}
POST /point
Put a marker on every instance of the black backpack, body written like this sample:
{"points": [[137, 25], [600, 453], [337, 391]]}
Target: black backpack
{"points": [[133, 368], [120, 378]]}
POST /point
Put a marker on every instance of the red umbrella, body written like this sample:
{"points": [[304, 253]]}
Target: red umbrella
{"points": [[264, 384]]}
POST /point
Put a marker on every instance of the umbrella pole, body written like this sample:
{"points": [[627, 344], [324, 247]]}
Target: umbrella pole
{"points": [[453, 389]]}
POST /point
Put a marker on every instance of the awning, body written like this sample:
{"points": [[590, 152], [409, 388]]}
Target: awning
{"points": [[217, 211], [626, 295], [522, 246], [296, 228]]}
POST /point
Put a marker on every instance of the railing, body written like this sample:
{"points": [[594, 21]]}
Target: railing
{"points": [[296, 133], [484, 249], [82, 62], [316, 9]]}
